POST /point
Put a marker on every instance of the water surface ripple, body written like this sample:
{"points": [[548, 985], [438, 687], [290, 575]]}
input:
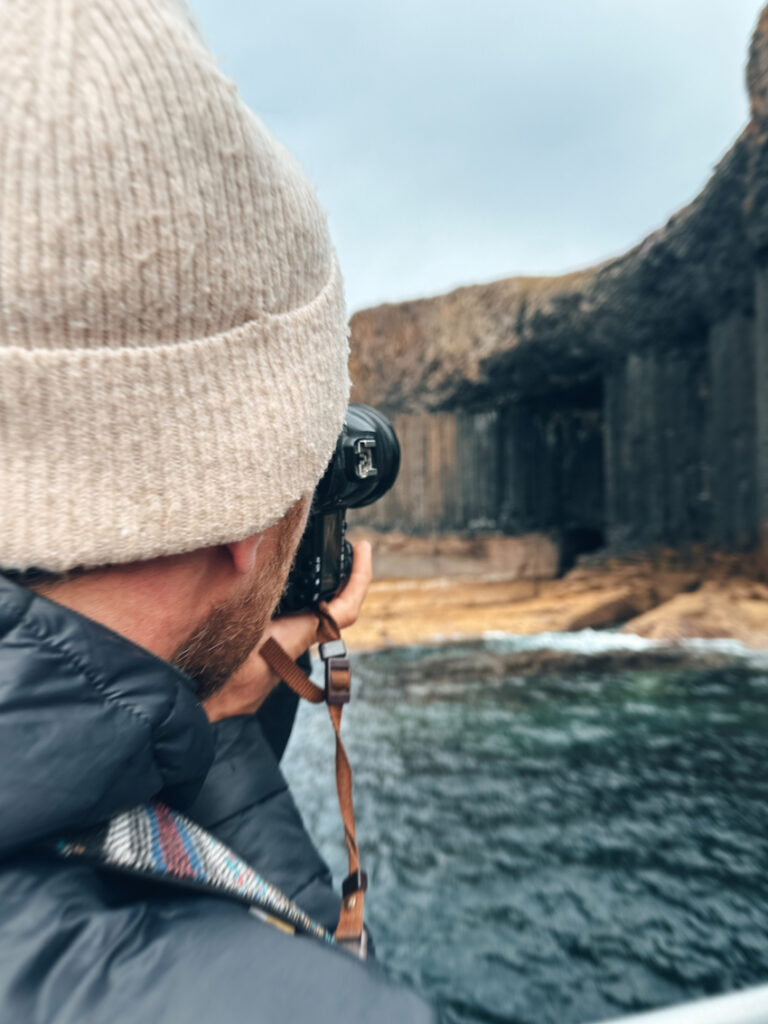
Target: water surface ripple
{"points": [[552, 849]]}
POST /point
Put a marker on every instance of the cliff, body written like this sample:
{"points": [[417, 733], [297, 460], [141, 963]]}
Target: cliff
{"points": [[527, 337], [623, 406]]}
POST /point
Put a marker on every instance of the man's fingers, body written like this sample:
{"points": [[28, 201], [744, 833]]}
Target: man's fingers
{"points": [[295, 633], [346, 607]]}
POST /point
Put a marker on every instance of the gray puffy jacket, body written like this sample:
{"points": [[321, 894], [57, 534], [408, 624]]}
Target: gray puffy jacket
{"points": [[90, 725]]}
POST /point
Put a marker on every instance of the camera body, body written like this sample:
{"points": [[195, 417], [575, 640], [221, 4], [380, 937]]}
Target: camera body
{"points": [[363, 467]]}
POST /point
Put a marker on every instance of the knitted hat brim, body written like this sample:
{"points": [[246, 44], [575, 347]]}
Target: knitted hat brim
{"points": [[115, 455]]}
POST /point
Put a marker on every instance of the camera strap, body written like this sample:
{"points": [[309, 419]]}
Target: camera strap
{"points": [[350, 931]]}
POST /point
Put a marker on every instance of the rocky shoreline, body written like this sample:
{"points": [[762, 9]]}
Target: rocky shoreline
{"points": [[666, 598]]}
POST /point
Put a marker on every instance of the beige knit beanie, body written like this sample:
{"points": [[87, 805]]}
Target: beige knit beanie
{"points": [[173, 340]]}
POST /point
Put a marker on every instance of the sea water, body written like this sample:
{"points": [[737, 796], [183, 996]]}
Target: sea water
{"points": [[560, 848]]}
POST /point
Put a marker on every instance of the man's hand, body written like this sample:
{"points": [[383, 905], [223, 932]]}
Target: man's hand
{"points": [[250, 685]]}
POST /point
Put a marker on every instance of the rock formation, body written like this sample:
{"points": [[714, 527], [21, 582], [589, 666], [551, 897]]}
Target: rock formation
{"points": [[526, 337], [624, 405]]}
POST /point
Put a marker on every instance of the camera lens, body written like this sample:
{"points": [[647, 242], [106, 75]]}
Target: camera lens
{"points": [[364, 421], [364, 465], [362, 468]]}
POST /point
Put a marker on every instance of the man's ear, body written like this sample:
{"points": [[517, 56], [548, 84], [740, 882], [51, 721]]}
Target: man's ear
{"points": [[243, 553]]}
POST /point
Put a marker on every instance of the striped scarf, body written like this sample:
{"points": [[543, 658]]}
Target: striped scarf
{"points": [[155, 842]]}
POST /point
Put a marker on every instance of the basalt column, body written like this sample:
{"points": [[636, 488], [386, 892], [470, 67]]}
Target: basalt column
{"points": [[761, 394], [732, 433], [655, 449]]}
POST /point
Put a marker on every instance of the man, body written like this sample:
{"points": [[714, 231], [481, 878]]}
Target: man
{"points": [[173, 378]]}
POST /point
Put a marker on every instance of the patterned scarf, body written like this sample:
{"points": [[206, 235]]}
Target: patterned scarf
{"points": [[153, 841]]}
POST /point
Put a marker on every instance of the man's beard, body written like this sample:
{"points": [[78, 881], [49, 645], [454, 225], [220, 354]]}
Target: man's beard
{"points": [[223, 640]]}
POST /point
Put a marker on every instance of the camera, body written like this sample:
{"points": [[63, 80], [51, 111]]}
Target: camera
{"points": [[363, 467]]}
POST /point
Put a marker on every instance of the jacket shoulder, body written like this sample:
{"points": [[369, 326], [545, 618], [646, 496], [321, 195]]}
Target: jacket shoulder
{"points": [[78, 946]]}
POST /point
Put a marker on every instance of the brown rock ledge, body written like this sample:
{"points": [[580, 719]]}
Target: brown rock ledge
{"points": [[662, 597]]}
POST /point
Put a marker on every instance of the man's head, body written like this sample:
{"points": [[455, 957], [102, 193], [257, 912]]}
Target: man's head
{"points": [[173, 340]]}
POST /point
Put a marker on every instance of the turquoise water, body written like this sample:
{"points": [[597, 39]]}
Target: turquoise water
{"points": [[552, 849]]}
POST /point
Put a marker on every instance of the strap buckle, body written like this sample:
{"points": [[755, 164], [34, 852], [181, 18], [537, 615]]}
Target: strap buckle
{"points": [[337, 673], [356, 882], [337, 682]]}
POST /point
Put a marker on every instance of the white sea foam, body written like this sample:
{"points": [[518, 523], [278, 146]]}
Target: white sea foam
{"points": [[592, 641]]}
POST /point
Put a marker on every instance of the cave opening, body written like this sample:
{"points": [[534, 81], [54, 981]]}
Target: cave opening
{"points": [[577, 541]]}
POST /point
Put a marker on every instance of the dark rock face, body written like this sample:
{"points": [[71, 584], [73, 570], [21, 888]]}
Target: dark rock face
{"points": [[528, 337], [627, 402], [756, 204]]}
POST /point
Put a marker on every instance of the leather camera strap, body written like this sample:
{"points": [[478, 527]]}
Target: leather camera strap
{"points": [[350, 931]]}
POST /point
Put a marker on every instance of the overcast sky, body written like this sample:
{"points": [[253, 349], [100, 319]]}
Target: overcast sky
{"points": [[456, 142]]}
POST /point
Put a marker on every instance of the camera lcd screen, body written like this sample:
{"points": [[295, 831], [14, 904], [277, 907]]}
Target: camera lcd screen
{"points": [[329, 579]]}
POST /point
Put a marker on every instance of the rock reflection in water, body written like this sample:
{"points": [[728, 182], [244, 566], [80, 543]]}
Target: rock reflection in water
{"points": [[551, 849]]}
